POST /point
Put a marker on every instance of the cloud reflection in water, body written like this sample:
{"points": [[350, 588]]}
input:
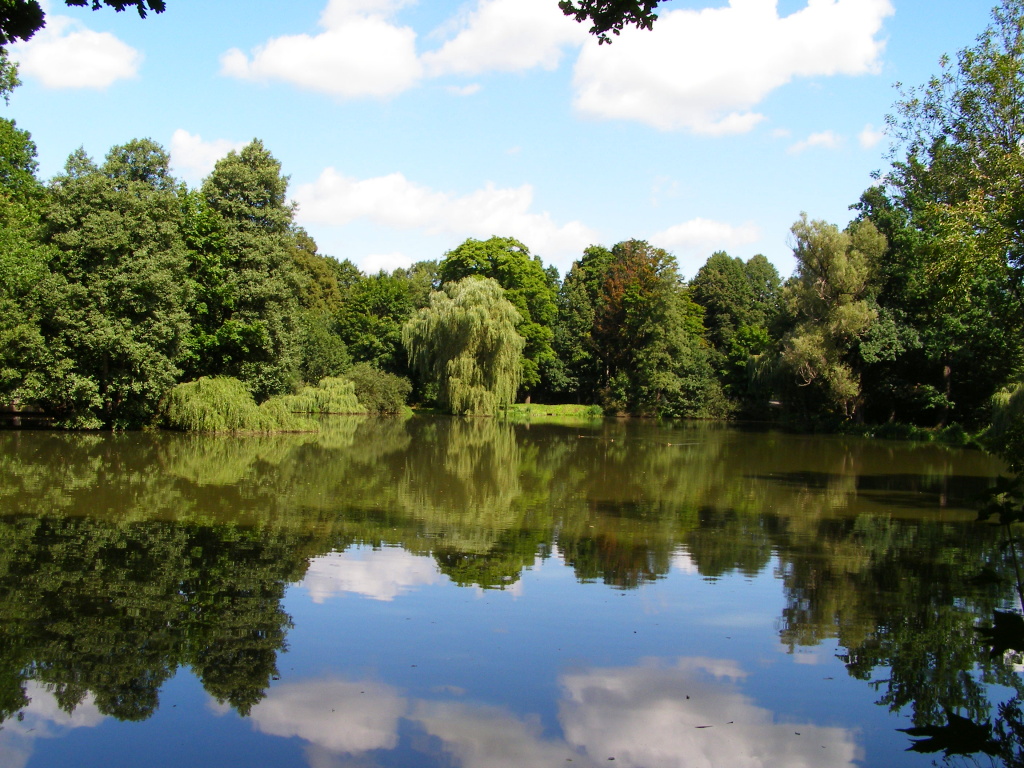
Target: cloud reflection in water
{"points": [[42, 719], [658, 716], [380, 574]]}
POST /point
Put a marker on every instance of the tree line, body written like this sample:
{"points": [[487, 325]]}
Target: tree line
{"points": [[118, 282]]}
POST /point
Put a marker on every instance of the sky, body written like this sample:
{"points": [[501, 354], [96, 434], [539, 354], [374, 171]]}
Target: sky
{"points": [[406, 127]]}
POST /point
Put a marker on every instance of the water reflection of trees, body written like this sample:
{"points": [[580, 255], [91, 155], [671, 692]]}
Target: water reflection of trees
{"points": [[124, 557]]}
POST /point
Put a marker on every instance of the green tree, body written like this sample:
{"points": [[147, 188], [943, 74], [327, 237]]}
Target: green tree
{"points": [[527, 286], [24, 261], [114, 318], [644, 351], [960, 186], [370, 322], [242, 243], [466, 341], [830, 302], [740, 301]]}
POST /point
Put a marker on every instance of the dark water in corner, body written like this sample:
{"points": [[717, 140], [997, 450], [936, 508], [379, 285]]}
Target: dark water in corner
{"points": [[474, 594]]}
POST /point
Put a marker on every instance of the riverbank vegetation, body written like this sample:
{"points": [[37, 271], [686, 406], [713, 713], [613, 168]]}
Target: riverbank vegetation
{"points": [[119, 285]]}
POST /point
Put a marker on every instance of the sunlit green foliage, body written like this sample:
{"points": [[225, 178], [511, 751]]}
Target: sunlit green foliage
{"points": [[239, 232], [114, 319], [330, 395], [830, 300], [958, 181], [466, 341], [528, 287], [224, 404]]}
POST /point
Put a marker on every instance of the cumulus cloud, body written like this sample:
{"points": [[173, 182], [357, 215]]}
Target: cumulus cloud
{"points": [[67, 54], [657, 716], [507, 36], [379, 574], [335, 715], [373, 263], [193, 158], [706, 71], [870, 137], [395, 201], [704, 236], [360, 53], [824, 140]]}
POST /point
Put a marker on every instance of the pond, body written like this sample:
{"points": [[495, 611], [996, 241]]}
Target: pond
{"points": [[471, 593]]}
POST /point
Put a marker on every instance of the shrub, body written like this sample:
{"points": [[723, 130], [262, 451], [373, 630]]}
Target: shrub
{"points": [[224, 404], [331, 395], [378, 391]]}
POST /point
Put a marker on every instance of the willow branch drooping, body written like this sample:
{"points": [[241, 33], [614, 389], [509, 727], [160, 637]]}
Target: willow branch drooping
{"points": [[466, 341]]}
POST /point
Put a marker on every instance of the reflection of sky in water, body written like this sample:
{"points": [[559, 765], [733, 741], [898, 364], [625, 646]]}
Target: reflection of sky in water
{"points": [[335, 715], [380, 574], [688, 714], [43, 719]]}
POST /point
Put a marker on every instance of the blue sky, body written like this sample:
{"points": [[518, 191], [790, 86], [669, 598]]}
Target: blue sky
{"points": [[406, 127]]}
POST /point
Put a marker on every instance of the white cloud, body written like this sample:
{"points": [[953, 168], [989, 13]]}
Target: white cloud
{"points": [[381, 574], [657, 716], [507, 36], [193, 158], [359, 53], [394, 201], [705, 236], [870, 137], [335, 715], [67, 54], [464, 90], [338, 12], [824, 139], [705, 71], [373, 263]]}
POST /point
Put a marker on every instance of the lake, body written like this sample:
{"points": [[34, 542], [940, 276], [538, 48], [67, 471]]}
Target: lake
{"points": [[471, 593]]}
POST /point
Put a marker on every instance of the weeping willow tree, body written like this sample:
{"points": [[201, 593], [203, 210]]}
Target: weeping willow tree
{"points": [[466, 341]]}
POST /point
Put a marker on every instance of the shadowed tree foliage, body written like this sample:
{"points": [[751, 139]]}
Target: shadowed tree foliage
{"points": [[21, 19], [466, 341], [611, 15]]}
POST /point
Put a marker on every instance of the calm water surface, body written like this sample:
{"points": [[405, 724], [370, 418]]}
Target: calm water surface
{"points": [[439, 592]]}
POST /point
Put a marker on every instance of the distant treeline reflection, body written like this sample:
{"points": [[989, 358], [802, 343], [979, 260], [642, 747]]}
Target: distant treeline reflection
{"points": [[125, 557]]}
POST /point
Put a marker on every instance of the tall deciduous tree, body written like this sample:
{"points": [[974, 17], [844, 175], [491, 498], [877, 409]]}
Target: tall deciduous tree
{"points": [[961, 187], [239, 230], [830, 302], [114, 319], [740, 301], [632, 337], [527, 286], [466, 341], [24, 261]]}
